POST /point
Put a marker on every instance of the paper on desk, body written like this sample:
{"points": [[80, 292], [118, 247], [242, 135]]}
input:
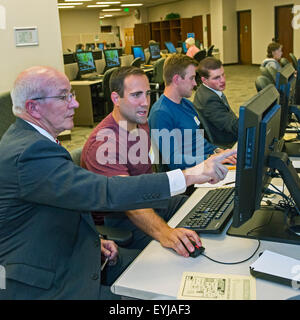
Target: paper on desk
{"points": [[230, 177], [278, 265], [204, 286], [296, 163]]}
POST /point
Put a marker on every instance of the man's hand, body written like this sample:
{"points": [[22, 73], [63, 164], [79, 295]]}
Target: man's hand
{"points": [[211, 170], [109, 249], [228, 160], [175, 238]]}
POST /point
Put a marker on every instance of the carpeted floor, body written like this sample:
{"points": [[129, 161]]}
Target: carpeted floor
{"points": [[240, 87]]}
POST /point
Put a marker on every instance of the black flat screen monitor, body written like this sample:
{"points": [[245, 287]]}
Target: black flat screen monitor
{"points": [[258, 158], [170, 47], [89, 46], [97, 55], [138, 52], [154, 50], [112, 58], [297, 85], [100, 45], [85, 62], [69, 58]]}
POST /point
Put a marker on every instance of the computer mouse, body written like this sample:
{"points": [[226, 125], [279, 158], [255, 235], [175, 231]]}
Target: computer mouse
{"points": [[198, 250]]}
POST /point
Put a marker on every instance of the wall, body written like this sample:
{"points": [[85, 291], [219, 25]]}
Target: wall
{"points": [[49, 50], [82, 26], [263, 25]]}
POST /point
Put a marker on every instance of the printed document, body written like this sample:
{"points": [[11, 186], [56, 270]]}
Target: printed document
{"points": [[204, 286]]}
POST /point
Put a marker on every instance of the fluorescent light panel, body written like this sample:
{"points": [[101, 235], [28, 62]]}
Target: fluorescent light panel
{"points": [[132, 5], [66, 7], [109, 2], [98, 6], [111, 10], [70, 4]]}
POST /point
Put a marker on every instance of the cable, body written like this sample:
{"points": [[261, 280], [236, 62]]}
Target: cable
{"points": [[231, 263]]}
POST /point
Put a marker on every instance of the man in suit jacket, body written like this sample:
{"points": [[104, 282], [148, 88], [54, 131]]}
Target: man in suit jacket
{"points": [[212, 105], [49, 246]]}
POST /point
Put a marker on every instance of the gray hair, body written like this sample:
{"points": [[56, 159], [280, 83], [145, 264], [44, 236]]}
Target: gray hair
{"points": [[31, 83]]}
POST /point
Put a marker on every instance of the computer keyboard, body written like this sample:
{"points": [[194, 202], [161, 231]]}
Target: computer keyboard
{"points": [[211, 213]]}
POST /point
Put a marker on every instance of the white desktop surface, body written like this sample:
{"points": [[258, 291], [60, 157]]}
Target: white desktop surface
{"points": [[156, 273]]}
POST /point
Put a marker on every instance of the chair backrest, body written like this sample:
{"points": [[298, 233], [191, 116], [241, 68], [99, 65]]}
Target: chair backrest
{"points": [[6, 115], [75, 155], [261, 82], [158, 71], [136, 62], [106, 89], [294, 60], [210, 51], [200, 55]]}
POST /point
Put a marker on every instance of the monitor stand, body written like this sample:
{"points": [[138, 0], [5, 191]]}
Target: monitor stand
{"points": [[268, 224]]}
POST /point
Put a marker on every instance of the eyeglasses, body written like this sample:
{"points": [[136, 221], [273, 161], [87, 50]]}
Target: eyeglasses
{"points": [[67, 97]]}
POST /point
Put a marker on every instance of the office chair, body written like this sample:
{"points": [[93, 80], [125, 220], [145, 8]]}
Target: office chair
{"points": [[294, 61], [284, 61], [210, 51], [157, 80], [268, 72], [136, 62], [200, 55], [6, 115], [261, 82], [120, 236], [105, 94]]}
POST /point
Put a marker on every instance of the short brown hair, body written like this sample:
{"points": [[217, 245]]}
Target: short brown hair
{"points": [[176, 64], [116, 82], [273, 46], [209, 63]]}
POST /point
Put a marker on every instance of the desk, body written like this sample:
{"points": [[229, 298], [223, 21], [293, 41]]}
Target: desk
{"points": [[87, 93], [156, 273]]}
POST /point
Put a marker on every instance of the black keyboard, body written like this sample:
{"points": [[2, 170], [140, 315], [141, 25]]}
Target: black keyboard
{"points": [[211, 213]]}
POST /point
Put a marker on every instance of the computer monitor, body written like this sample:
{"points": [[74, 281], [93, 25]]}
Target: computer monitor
{"points": [[258, 159], [112, 58], [85, 62], [89, 46], [100, 45], [154, 50], [184, 48], [170, 47], [138, 52], [97, 55], [69, 58], [297, 85]]}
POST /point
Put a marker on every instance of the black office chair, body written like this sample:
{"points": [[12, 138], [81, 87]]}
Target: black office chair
{"points": [[120, 236], [156, 80], [136, 62], [284, 61], [261, 82], [210, 51], [294, 60], [6, 115], [105, 94], [200, 55]]}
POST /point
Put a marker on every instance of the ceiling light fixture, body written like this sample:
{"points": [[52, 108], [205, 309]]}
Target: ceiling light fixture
{"points": [[65, 7], [109, 2], [70, 4], [108, 15], [132, 5], [98, 6], [111, 10]]}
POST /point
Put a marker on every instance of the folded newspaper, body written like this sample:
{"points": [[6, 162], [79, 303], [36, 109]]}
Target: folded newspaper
{"points": [[204, 286]]}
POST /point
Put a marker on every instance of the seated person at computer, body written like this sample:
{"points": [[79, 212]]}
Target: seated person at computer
{"points": [[192, 49], [178, 137], [211, 103], [123, 137], [274, 54]]}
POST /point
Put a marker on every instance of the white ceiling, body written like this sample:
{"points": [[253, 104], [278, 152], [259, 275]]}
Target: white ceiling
{"points": [[146, 3]]}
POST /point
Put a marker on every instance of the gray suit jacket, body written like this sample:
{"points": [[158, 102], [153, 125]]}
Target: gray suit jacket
{"points": [[221, 121], [49, 246]]}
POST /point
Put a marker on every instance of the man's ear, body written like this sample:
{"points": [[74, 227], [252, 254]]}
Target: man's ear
{"points": [[115, 98], [32, 108], [176, 78]]}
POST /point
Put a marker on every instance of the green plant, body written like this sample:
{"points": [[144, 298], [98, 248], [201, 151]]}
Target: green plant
{"points": [[172, 15]]}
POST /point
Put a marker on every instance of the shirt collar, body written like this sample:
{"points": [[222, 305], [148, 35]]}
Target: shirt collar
{"points": [[219, 93], [42, 131]]}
